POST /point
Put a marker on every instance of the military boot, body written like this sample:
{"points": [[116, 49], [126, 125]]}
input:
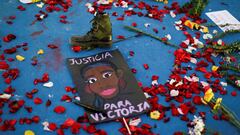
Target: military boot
{"points": [[100, 34]]}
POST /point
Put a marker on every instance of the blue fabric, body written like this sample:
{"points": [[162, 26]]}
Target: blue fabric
{"points": [[147, 50]]}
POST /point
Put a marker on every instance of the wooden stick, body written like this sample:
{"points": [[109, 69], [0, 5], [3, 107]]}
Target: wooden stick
{"points": [[126, 125]]}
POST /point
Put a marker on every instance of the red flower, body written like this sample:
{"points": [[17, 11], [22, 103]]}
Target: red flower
{"points": [[59, 109], [37, 101]]}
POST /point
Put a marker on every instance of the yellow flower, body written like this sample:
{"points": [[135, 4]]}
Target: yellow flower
{"points": [[189, 24], [208, 95], [165, 1], [155, 114], [29, 132], [20, 58], [217, 104], [193, 25], [205, 29], [40, 52], [214, 68]]}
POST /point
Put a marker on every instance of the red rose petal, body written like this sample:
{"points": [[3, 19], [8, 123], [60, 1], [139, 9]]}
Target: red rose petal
{"points": [[11, 50], [35, 119], [45, 77], [60, 131], [120, 37], [155, 30], [59, 109], [131, 53], [21, 8], [134, 24], [9, 38], [234, 93], [134, 70], [75, 128], [28, 108], [178, 133], [3, 65], [66, 98], [52, 46], [76, 48], [48, 103], [68, 88], [37, 101], [215, 117], [52, 126], [69, 122], [63, 17], [155, 77], [146, 66], [91, 129], [197, 100], [8, 80], [9, 90]]}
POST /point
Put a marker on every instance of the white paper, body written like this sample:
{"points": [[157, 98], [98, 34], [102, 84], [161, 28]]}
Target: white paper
{"points": [[224, 17]]}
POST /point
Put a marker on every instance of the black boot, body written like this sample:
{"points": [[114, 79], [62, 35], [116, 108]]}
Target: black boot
{"points": [[99, 36]]}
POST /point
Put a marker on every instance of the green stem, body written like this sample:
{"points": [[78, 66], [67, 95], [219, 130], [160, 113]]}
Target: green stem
{"points": [[228, 48], [220, 25], [229, 67], [221, 35], [233, 119], [232, 82], [150, 35]]}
